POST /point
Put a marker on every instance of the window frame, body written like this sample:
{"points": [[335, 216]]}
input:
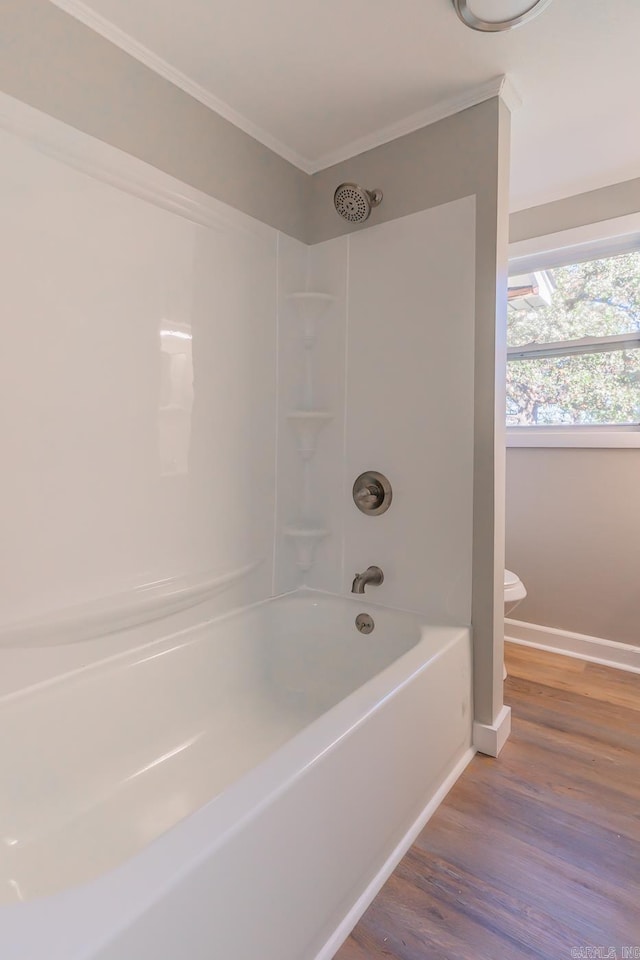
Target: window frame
{"points": [[608, 238]]}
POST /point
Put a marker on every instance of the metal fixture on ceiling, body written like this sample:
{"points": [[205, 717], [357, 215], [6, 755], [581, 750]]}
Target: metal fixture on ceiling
{"points": [[471, 19]]}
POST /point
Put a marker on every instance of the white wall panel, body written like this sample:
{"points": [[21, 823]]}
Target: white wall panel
{"points": [[394, 363], [410, 406], [137, 377]]}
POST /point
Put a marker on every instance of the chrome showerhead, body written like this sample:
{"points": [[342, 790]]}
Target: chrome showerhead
{"points": [[354, 203]]}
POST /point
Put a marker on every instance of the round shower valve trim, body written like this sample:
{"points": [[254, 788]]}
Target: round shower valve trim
{"points": [[372, 493]]}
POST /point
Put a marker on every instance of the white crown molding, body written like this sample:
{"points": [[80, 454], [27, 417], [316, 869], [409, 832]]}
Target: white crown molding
{"points": [[608, 653], [119, 169], [108, 30], [497, 87]]}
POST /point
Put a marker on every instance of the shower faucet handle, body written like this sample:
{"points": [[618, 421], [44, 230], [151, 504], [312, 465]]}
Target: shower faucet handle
{"points": [[370, 495]]}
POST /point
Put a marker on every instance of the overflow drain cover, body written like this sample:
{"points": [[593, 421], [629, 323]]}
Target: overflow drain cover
{"points": [[364, 623]]}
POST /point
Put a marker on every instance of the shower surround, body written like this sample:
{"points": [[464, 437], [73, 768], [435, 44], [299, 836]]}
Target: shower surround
{"points": [[184, 443]]}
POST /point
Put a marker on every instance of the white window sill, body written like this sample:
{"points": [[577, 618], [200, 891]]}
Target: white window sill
{"points": [[603, 437]]}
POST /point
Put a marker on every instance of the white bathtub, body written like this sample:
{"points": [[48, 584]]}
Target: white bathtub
{"points": [[239, 791]]}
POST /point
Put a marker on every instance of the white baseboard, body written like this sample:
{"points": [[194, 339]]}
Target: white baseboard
{"points": [[609, 653], [346, 925], [490, 738]]}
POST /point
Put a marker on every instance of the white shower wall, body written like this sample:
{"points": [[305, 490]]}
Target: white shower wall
{"points": [[394, 364], [138, 372], [150, 359]]}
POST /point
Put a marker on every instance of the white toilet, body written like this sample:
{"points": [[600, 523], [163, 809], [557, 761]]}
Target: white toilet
{"points": [[514, 592]]}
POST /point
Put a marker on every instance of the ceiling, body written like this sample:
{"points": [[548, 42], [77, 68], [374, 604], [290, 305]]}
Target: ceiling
{"points": [[320, 80]]}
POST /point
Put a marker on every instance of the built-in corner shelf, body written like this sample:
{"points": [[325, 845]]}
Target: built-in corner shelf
{"points": [[307, 425], [305, 541], [309, 308]]}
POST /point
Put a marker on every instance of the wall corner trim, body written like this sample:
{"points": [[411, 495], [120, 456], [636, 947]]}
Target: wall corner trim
{"points": [[490, 738], [608, 653], [509, 94]]}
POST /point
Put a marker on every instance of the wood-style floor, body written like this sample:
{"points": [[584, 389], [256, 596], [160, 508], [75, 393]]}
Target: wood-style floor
{"points": [[536, 854]]}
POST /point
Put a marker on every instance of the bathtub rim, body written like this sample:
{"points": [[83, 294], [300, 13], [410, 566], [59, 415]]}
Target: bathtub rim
{"points": [[80, 918], [191, 634]]}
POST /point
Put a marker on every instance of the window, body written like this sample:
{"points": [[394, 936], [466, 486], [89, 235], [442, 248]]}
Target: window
{"points": [[573, 350]]}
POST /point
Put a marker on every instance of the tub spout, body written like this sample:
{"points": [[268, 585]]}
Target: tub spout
{"points": [[372, 575]]}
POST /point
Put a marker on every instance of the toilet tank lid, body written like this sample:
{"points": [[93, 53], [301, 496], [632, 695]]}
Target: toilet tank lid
{"points": [[510, 578]]}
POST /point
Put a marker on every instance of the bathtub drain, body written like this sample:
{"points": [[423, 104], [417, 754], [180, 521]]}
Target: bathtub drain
{"points": [[364, 623]]}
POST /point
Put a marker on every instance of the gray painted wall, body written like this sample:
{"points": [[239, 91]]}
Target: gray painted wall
{"points": [[616, 200], [53, 62], [452, 158], [573, 536], [573, 520]]}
